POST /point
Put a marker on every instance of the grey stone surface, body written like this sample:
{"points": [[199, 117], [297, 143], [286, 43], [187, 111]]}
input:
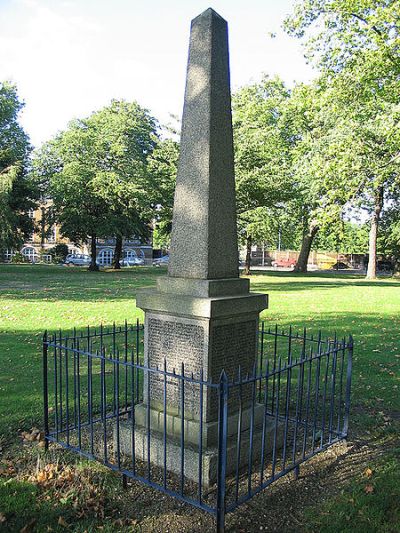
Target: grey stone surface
{"points": [[204, 288], [207, 345], [204, 239], [191, 455], [173, 424], [186, 305], [201, 314]]}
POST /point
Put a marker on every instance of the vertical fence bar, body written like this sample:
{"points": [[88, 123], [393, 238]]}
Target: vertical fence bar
{"points": [[74, 382], [339, 420], [324, 394], [261, 361], [126, 365], [104, 402], [201, 437], [133, 444], [287, 404], [333, 385], [274, 368], [116, 371], [66, 391], [45, 390], [239, 433], [299, 406], [79, 394], [55, 386], [165, 423], [60, 387], [148, 420], [222, 445], [264, 423], [182, 378], [137, 362], [251, 436], [348, 386], [113, 374], [90, 400], [276, 419], [307, 414]]}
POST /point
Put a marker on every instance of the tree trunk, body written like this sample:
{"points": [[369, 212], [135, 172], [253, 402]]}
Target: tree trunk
{"points": [[93, 267], [308, 237], [247, 264], [373, 233], [117, 252]]}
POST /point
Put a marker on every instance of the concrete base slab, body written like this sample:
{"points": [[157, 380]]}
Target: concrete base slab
{"points": [[172, 454]]}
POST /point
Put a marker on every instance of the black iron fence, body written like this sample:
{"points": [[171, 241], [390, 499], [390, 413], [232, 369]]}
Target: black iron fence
{"points": [[98, 402]]}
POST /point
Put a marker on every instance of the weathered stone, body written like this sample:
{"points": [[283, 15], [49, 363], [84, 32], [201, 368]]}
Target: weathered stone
{"points": [[204, 238], [201, 317], [173, 451]]}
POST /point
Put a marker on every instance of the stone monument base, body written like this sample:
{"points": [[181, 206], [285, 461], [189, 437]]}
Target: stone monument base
{"points": [[191, 448]]}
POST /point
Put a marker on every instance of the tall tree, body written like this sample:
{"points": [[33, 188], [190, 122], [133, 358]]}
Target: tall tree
{"points": [[162, 167], [17, 193], [262, 160], [356, 46], [97, 178]]}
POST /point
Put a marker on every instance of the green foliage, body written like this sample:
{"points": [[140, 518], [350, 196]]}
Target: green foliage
{"points": [[355, 44], [58, 252], [162, 166], [262, 159], [343, 236], [96, 173], [17, 193], [19, 258]]}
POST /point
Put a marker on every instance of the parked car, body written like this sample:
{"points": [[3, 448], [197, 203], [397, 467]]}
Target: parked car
{"points": [[131, 261], [77, 260], [161, 261]]}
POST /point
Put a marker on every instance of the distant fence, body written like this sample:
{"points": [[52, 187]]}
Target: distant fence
{"points": [[294, 404]]}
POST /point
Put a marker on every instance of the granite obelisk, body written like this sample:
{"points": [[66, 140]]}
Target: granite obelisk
{"points": [[201, 314]]}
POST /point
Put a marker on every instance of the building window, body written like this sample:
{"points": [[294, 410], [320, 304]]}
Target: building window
{"points": [[130, 254], [30, 254], [8, 255], [31, 237], [105, 257], [31, 213]]}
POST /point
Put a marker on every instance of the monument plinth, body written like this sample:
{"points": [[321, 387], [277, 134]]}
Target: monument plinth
{"points": [[201, 314]]}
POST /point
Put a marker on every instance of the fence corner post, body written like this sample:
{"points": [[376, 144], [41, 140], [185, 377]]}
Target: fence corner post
{"points": [[222, 449], [45, 391], [350, 347]]}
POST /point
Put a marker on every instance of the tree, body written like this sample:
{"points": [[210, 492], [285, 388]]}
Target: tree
{"points": [[356, 46], [262, 160], [17, 192], [162, 167], [96, 175]]}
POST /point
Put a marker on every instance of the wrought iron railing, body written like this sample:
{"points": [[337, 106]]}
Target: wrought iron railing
{"points": [[294, 404]]}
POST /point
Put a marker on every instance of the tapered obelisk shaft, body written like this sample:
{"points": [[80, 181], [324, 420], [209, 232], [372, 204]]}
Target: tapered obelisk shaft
{"points": [[204, 238]]}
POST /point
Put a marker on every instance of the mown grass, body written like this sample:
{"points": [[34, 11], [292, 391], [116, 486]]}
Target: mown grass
{"points": [[35, 298]]}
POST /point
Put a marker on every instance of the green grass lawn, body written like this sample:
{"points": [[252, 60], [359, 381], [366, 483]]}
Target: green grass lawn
{"points": [[35, 298]]}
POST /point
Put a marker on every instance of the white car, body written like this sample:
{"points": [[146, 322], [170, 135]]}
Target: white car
{"points": [[131, 261], [77, 260], [161, 261]]}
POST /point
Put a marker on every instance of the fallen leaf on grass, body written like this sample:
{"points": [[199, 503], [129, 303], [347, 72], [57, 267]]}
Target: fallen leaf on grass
{"points": [[368, 489], [2, 518], [368, 472], [62, 522], [29, 527]]}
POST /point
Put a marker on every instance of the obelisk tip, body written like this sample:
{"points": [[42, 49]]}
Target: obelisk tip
{"points": [[209, 13]]}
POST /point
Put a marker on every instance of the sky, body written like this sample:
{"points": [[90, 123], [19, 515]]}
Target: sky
{"points": [[71, 57]]}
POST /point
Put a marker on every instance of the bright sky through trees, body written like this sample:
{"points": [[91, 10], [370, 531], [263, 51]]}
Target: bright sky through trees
{"points": [[71, 57]]}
